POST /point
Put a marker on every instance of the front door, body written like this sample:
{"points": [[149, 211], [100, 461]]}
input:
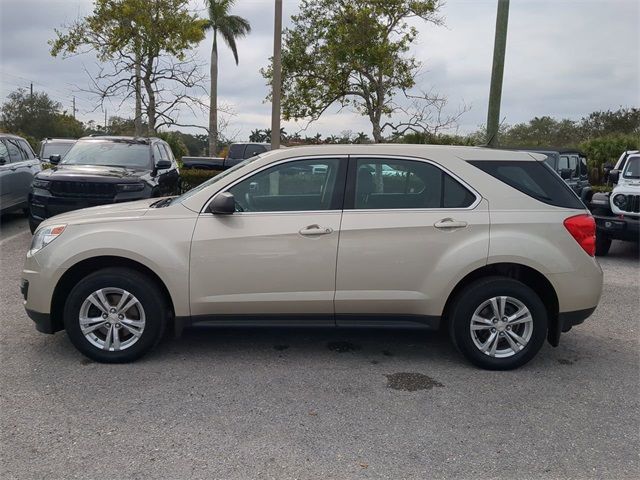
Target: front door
{"points": [[408, 229], [274, 259]]}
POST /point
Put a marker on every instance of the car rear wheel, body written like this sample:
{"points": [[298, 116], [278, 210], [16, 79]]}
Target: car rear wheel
{"points": [[498, 323], [115, 315]]}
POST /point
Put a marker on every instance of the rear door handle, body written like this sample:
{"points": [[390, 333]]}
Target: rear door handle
{"points": [[449, 224], [315, 229]]}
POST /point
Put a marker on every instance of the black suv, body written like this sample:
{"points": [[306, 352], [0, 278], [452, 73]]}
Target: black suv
{"points": [[101, 170]]}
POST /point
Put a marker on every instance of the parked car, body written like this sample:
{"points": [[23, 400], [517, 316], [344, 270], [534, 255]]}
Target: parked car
{"points": [[18, 165], [490, 244], [237, 153], [102, 170], [617, 213], [55, 146]]}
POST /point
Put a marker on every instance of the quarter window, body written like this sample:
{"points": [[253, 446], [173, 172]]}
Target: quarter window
{"points": [[402, 184], [293, 186]]}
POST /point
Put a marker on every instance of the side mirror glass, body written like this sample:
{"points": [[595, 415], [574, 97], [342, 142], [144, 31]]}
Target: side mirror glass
{"points": [[565, 173], [2, 161], [55, 159], [614, 176], [223, 204], [163, 164]]}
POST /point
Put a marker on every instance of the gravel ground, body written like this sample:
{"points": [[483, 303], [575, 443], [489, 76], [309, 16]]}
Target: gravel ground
{"points": [[294, 403]]}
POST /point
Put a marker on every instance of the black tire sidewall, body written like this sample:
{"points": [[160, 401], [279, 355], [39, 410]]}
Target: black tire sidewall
{"points": [[142, 287], [477, 293]]}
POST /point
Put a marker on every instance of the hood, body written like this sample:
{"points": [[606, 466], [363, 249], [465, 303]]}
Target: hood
{"points": [[102, 213], [92, 173]]}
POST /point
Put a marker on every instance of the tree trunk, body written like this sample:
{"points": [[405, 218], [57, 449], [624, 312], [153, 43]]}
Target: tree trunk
{"points": [[377, 131], [151, 103], [213, 104]]}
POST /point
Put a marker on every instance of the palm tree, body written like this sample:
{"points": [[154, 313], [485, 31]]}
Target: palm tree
{"points": [[231, 27]]}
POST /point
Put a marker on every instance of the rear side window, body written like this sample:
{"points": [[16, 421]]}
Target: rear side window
{"points": [[236, 150], [535, 179]]}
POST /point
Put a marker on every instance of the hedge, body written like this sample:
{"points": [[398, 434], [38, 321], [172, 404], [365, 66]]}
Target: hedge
{"points": [[191, 177]]}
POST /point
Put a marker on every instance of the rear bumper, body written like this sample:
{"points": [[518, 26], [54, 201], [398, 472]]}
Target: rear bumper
{"points": [[566, 320]]}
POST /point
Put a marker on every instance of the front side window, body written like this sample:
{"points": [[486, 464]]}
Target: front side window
{"points": [[301, 185], [563, 163], [632, 169], [403, 184], [49, 149], [111, 153], [15, 152], [26, 149]]}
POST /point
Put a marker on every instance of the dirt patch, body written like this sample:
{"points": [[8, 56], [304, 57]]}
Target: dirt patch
{"points": [[411, 382], [342, 347]]}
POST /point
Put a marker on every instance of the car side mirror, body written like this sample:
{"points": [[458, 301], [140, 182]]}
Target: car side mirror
{"points": [[163, 164], [565, 173], [2, 161], [223, 204], [614, 176], [55, 159]]}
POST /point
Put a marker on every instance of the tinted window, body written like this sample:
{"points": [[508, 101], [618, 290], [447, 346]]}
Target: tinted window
{"points": [[168, 152], [109, 153], [4, 153], [49, 149], [533, 178], [236, 150], [563, 162], [15, 152], [391, 184], [26, 149], [292, 186], [159, 153], [254, 150]]}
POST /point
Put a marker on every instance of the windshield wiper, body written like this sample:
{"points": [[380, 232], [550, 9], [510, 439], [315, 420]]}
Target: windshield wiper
{"points": [[164, 202]]}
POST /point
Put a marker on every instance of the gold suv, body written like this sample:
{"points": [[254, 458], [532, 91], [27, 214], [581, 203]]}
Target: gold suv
{"points": [[490, 244]]}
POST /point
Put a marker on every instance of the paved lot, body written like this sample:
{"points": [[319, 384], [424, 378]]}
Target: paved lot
{"points": [[319, 403]]}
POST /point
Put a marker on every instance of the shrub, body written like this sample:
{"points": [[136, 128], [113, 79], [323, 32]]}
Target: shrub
{"points": [[174, 140], [190, 178], [607, 149]]}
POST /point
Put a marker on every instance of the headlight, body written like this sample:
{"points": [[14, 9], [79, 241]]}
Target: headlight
{"points": [[37, 183], [620, 201], [130, 187], [44, 236]]}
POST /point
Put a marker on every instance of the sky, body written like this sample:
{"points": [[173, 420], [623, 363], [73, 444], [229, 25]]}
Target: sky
{"points": [[565, 59]]}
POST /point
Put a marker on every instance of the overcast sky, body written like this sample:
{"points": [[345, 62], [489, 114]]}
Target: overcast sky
{"points": [[565, 58]]}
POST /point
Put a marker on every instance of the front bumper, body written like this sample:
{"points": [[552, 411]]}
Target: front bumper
{"points": [[619, 227], [43, 321]]}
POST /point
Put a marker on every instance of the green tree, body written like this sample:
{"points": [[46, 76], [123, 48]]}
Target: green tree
{"points": [[231, 28], [351, 54], [139, 41], [37, 116]]}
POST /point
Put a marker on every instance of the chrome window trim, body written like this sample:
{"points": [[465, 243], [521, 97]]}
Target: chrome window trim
{"points": [[342, 157], [474, 192]]}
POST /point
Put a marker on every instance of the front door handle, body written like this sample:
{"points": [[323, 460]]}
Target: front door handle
{"points": [[449, 224], [315, 229]]}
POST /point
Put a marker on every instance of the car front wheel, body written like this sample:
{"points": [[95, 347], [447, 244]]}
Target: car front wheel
{"points": [[115, 315], [498, 323]]}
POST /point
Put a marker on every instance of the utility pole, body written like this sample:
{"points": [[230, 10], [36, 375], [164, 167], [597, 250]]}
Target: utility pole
{"points": [[277, 77], [495, 92], [105, 121], [74, 107]]}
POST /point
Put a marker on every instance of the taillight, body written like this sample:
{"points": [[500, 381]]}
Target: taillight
{"points": [[583, 229]]}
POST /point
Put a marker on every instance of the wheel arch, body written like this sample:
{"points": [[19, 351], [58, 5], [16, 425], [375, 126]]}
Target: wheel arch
{"points": [[78, 271], [523, 273]]}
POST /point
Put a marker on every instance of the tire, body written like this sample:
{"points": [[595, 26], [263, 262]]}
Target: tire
{"points": [[147, 317], [603, 244], [33, 224], [475, 299]]}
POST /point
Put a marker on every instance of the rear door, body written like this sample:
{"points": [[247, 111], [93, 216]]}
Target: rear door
{"points": [[408, 229], [274, 259], [7, 195]]}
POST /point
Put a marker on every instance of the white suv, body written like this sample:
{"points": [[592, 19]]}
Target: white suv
{"points": [[490, 244]]}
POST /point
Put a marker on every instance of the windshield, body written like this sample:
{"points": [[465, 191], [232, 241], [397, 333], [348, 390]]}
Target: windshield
{"points": [[109, 153], [633, 168], [55, 149], [215, 179]]}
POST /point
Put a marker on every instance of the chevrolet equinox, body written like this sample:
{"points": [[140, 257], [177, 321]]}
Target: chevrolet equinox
{"points": [[489, 244]]}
